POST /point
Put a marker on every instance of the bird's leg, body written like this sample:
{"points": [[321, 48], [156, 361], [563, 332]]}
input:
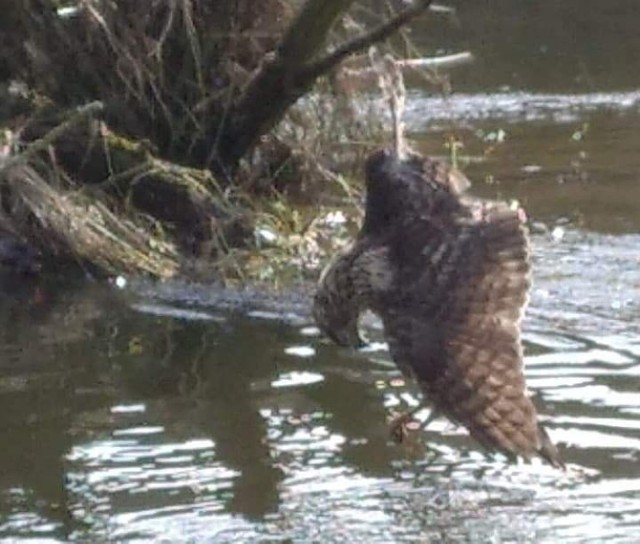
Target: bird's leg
{"points": [[398, 424]]}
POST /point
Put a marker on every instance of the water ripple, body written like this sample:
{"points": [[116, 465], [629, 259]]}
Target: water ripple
{"points": [[515, 106]]}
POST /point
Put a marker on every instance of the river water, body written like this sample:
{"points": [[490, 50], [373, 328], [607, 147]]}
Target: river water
{"points": [[182, 413]]}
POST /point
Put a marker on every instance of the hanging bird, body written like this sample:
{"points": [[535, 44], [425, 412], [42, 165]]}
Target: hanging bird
{"points": [[449, 277]]}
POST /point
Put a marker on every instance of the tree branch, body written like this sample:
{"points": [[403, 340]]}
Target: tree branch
{"points": [[284, 79], [308, 31], [43, 143], [361, 43], [275, 87], [360, 75], [445, 61]]}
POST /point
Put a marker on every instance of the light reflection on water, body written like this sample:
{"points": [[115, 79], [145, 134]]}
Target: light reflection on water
{"points": [[517, 107], [181, 413], [254, 428]]}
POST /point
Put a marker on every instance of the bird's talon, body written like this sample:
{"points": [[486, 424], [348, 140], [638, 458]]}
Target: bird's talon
{"points": [[398, 427]]}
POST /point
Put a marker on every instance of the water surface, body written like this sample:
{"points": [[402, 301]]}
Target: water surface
{"points": [[182, 413], [185, 414]]}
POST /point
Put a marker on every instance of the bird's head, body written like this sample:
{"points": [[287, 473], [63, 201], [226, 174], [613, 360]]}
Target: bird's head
{"points": [[341, 328], [334, 308]]}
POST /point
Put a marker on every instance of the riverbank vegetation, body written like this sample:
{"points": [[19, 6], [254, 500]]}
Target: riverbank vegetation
{"points": [[212, 139]]}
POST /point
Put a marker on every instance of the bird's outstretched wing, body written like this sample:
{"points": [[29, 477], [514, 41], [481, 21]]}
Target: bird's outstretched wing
{"points": [[450, 278], [455, 323], [461, 276]]}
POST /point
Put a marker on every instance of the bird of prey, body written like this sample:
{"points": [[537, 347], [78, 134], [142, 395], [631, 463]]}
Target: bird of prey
{"points": [[449, 277]]}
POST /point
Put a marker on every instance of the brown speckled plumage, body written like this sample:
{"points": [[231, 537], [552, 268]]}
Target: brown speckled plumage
{"points": [[449, 277]]}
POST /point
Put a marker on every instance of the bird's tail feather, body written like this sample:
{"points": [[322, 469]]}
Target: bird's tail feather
{"points": [[548, 450]]}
